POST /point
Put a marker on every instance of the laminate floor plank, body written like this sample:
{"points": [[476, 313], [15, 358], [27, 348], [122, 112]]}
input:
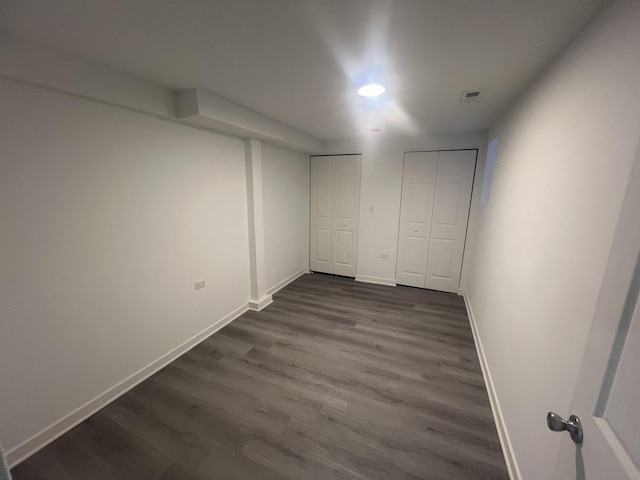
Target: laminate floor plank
{"points": [[336, 379]]}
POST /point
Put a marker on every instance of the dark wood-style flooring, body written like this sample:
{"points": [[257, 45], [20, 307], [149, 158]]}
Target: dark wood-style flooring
{"points": [[336, 379]]}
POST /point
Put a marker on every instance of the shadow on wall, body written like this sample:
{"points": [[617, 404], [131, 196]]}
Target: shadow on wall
{"points": [[579, 463]]}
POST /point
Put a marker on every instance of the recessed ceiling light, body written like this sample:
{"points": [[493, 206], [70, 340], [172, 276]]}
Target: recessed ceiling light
{"points": [[371, 90]]}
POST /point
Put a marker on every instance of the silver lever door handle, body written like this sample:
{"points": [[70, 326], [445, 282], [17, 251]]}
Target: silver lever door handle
{"points": [[556, 423]]}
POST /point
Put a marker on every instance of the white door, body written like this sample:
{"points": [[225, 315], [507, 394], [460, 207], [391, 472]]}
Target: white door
{"points": [[418, 189], [606, 396], [321, 214], [335, 208], [434, 211], [450, 216]]}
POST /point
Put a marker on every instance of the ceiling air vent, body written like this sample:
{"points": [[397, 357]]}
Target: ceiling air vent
{"points": [[469, 96]]}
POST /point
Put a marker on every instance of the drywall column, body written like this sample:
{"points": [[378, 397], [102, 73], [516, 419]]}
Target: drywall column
{"points": [[253, 161]]}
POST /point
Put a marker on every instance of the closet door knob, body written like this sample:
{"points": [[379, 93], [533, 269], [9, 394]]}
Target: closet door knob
{"points": [[558, 424]]}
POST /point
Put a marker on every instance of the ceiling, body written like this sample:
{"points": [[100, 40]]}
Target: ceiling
{"points": [[299, 61]]}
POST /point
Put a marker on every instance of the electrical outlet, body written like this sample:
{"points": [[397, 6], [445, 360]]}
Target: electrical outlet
{"points": [[200, 284], [384, 255]]}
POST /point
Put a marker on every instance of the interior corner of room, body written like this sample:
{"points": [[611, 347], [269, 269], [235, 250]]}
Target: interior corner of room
{"points": [[137, 219]]}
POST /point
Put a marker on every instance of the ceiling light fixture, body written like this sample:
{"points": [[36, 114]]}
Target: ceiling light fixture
{"points": [[371, 90]]}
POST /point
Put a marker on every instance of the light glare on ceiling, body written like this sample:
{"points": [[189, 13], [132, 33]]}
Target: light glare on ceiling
{"points": [[371, 90]]}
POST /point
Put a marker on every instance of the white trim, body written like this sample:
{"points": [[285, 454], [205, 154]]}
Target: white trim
{"points": [[257, 305], [280, 285], [377, 280], [255, 218], [204, 109], [503, 434], [41, 439]]}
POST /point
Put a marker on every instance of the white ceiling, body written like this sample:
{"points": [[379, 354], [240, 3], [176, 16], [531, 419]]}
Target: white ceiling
{"points": [[296, 61]]}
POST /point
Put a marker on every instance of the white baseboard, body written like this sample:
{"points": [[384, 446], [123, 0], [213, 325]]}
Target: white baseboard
{"points": [[503, 434], [257, 305], [41, 439], [280, 285], [377, 280]]}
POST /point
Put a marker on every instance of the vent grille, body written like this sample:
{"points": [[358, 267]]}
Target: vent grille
{"points": [[469, 96]]}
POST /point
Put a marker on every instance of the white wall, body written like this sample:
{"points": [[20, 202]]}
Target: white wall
{"points": [[381, 188], [108, 218], [285, 176], [541, 245], [60, 71]]}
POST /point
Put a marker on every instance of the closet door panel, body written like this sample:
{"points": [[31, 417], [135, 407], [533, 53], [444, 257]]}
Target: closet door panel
{"points": [[345, 222], [415, 253], [324, 192], [449, 226], [321, 218], [344, 248], [418, 188], [323, 247], [442, 258], [449, 196], [347, 167], [346, 202], [334, 208]]}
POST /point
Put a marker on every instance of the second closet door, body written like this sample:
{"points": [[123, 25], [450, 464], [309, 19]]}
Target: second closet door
{"points": [[335, 206], [436, 192], [418, 189], [450, 218]]}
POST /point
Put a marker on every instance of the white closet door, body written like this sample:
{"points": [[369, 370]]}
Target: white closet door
{"points": [[449, 224], [321, 214], [335, 208], [418, 189], [346, 181]]}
